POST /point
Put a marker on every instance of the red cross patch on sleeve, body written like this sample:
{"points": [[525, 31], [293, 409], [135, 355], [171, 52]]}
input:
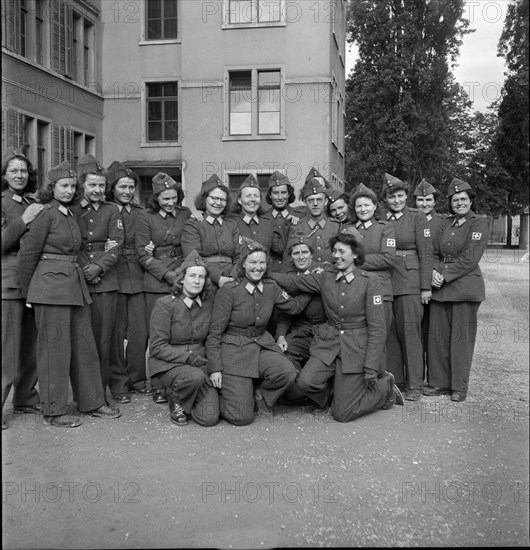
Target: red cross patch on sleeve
{"points": [[426, 232], [391, 243], [476, 236], [120, 224], [377, 300], [285, 295]]}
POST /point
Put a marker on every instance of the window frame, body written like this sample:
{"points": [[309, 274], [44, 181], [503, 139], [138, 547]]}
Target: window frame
{"points": [[144, 118], [254, 135], [253, 24], [144, 41]]}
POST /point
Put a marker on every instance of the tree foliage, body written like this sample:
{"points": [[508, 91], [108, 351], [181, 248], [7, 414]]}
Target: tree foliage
{"points": [[403, 105]]}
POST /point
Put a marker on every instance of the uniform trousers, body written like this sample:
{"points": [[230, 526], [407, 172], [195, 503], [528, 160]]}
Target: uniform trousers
{"points": [[103, 313], [388, 324], [351, 397], [452, 335], [127, 363], [236, 401], [19, 369], [298, 345], [150, 301], [404, 348], [191, 388], [66, 348], [425, 340], [314, 381]]}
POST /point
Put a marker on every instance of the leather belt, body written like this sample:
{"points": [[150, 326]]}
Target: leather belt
{"points": [[188, 347], [347, 326], [59, 257], [316, 320], [403, 253], [218, 259], [449, 260], [251, 332], [93, 247], [173, 253]]}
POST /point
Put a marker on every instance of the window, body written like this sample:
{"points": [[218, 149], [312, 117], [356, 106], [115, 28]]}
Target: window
{"points": [[40, 7], [162, 111], [23, 28], [254, 12], [161, 16], [88, 52], [43, 137], [255, 102]]}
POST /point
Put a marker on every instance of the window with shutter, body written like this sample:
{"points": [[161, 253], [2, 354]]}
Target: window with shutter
{"points": [[11, 25]]}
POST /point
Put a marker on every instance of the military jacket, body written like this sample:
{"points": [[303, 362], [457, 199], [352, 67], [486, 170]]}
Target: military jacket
{"points": [[380, 252], [165, 231], [412, 271], [48, 259], [240, 317], [177, 330], [13, 206], [130, 271], [280, 228], [459, 246], [96, 227], [435, 220], [355, 327], [257, 228], [213, 238], [318, 233]]}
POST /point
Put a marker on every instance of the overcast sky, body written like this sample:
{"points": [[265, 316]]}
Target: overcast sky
{"points": [[479, 69]]}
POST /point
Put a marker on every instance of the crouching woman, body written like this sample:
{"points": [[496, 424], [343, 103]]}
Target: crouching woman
{"points": [[178, 330]]}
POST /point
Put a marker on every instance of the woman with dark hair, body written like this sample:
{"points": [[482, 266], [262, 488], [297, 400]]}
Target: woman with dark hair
{"points": [[379, 248], [179, 326], [458, 291], [160, 229], [127, 364], [215, 237], [239, 348], [349, 344], [338, 208], [54, 284], [19, 209], [411, 286]]}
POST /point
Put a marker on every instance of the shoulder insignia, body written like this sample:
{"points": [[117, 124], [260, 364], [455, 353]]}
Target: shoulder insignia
{"points": [[391, 243], [426, 232], [378, 300], [476, 236]]}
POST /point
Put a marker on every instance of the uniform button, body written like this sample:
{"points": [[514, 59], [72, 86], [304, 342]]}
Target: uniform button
{"points": [[91, 255], [342, 332], [257, 317], [343, 294], [91, 221], [90, 233], [341, 307]]}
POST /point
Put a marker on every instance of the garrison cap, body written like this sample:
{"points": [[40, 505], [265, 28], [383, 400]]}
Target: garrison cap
{"points": [[162, 181], [334, 194], [13, 152], [117, 171], [393, 184], [193, 259], [277, 179], [363, 191], [63, 170], [312, 187], [248, 246], [457, 186], [250, 181], [299, 238], [211, 183], [424, 188], [89, 165]]}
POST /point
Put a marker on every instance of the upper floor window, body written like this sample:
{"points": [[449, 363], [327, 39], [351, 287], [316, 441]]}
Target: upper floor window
{"points": [[162, 111], [244, 13], [161, 16]]}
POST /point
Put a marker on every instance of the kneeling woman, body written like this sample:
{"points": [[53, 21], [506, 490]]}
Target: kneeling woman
{"points": [[239, 348], [349, 345], [179, 326]]}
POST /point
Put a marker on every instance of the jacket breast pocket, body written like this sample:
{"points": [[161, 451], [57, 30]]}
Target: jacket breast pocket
{"points": [[412, 261]]}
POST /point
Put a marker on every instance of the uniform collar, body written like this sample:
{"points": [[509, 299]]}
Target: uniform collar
{"points": [[460, 221], [126, 207], [190, 301], [247, 219], [321, 223], [211, 220], [94, 205], [364, 225], [429, 217], [283, 213], [348, 278], [393, 216], [251, 287], [63, 209], [165, 214]]}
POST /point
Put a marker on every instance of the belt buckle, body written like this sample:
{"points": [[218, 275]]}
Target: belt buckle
{"points": [[172, 253], [88, 247]]}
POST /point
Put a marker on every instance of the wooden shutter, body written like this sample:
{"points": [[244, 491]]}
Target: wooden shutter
{"points": [[57, 36], [11, 25]]}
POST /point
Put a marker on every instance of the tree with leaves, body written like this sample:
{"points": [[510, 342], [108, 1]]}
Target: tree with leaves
{"points": [[402, 100]]}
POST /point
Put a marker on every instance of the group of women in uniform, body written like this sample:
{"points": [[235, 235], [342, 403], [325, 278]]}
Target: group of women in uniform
{"points": [[320, 304]]}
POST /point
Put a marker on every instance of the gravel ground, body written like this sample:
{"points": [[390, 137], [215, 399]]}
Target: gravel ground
{"points": [[432, 473]]}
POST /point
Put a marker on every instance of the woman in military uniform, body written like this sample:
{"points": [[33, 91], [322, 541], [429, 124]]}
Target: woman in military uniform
{"points": [[158, 244], [239, 348], [215, 237], [19, 209], [338, 207], [127, 366], [379, 248], [54, 284], [458, 291], [411, 286], [179, 326], [349, 345]]}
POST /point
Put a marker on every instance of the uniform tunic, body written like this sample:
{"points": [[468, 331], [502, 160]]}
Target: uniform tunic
{"points": [[18, 322], [348, 345], [280, 229], [179, 327], [239, 346], [318, 234], [217, 241], [459, 246], [257, 228], [97, 223], [52, 280], [127, 368], [165, 231], [411, 274]]}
